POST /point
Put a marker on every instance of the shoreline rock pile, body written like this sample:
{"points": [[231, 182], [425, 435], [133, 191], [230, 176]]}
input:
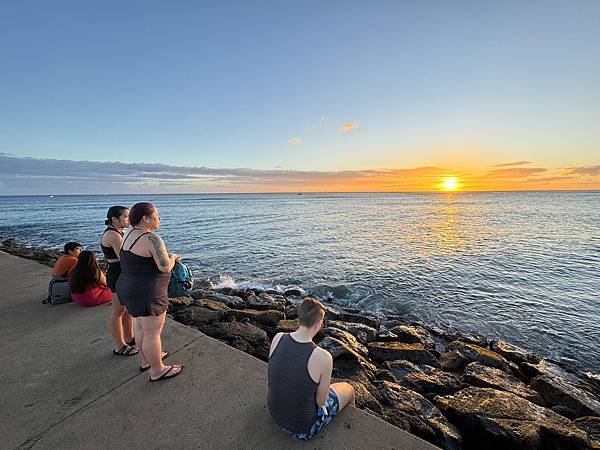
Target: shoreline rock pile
{"points": [[453, 390]]}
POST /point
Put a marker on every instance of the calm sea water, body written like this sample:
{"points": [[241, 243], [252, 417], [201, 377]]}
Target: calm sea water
{"points": [[522, 266]]}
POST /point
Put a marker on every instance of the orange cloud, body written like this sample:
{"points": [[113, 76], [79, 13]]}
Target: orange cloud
{"points": [[515, 172], [516, 163], [586, 170], [345, 127]]}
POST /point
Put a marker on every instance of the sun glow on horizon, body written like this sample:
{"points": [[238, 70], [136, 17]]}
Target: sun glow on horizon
{"points": [[449, 184]]}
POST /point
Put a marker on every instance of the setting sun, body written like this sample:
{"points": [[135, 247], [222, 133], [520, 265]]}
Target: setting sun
{"points": [[449, 183]]}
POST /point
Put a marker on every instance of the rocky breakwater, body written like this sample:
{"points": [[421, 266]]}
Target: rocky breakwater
{"points": [[42, 255], [453, 390]]}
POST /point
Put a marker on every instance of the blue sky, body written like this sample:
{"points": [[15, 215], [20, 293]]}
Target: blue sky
{"points": [[461, 85]]}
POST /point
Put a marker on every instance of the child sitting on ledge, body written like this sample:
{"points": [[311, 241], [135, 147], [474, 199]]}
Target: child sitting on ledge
{"points": [[68, 260]]}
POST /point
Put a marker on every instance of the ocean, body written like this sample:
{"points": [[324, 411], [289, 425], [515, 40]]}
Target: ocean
{"points": [[522, 266]]}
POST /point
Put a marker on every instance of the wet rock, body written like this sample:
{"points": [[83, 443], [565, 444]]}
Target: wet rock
{"points": [[414, 413], [503, 420], [385, 375], [264, 302], [294, 292], [202, 284], [269, 318], [291, 312], [475, 339], [390, 351], [341, 350], [286, 326], [513, 353], [459, 354], [180, 301], [556, 391], [246, 337], [347, 339], [479, 375], [213, 305], [591, 425], [414, 334], [196, 315], [230, 301], [423, 379], [334, 314], [386, 336], [363, 333]]}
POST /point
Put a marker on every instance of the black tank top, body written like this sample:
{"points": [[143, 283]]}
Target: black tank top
{"points": [[136, 265], [292, 392], [109, 252]]}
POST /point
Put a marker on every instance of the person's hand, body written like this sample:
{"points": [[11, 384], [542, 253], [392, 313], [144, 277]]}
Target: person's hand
{"points": [[175, 257]]}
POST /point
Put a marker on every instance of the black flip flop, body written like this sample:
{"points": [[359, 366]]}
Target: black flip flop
{"points": [[126, 350], [166, 376], [143, 369]]}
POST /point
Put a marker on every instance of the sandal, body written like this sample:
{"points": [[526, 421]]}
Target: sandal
{"points": [[126, 350], [144, 368], [131, 342], [169, 373]]}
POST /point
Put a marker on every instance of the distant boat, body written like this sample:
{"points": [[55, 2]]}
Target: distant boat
{"points": [[299, 193], [51, 196]]}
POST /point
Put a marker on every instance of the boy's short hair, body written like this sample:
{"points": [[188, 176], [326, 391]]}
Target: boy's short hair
{"points": [[70, 246], [310, 312]]}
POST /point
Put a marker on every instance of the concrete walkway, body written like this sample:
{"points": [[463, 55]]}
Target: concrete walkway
{"points": [[62, 387]]}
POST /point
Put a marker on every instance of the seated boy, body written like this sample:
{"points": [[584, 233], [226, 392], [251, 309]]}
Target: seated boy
{"points": [[300, 398], [68, 260]]}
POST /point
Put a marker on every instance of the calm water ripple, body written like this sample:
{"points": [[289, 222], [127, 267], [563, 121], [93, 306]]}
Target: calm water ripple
{"points": [[523, 266]]}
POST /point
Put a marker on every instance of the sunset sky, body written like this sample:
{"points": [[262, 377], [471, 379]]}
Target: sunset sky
{"points": [[266, 96]]}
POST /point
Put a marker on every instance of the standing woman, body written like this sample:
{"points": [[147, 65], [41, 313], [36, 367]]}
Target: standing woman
{"points": [[142, 286], [120, 321]]}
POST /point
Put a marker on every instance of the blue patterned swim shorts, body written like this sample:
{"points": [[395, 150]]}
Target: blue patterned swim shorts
{"points": [[324, 416]]}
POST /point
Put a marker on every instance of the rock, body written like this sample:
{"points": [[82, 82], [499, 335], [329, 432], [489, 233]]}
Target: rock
{"points": [[202, 284], [503, 420], [513, 353], [269, 318], [475, 339], [291, 312], [340, 350], [386, 336], [180, 301], [591, 425], [230, 301], [414, 334], [246, 337], [415, 353], [213, 305], [414, 413], [195, 315], [459, 354], [479, 375], [347, 339], [293, 292], [286, 326], [264, 302], [423, 379], [363, 333], [385, 375], [556, 391]]}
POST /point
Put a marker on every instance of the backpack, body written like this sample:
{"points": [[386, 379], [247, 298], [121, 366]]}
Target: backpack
{"points": [[181, 281], [58, 291]]}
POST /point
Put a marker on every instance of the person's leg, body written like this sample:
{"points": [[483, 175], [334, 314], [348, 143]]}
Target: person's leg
{"points": [[151, 346], [345, 394], [127, 326], [139, 338], [114, 322]]}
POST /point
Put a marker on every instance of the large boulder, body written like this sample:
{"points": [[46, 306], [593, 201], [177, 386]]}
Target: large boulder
{"points": [[493, 419], [347, 339], [574, 400], [363, 333], [213, 305], [423, 379], [196, 315], [229, 300], [245, 337], [286, 326], [341, 350], [180, 301], [268, 318], [391, 351], [414, 413], [591, 425], [344, 316], [513, 353], [264, 302], [479, 375], [459, 354], [412, 334]]}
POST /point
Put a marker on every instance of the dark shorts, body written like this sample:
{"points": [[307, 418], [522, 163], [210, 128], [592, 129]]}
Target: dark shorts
{"points": [[144, 297], [112, 275], [324, 416]]}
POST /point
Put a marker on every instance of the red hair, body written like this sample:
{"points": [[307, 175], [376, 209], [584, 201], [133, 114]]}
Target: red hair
{"points": [[139, 210]]}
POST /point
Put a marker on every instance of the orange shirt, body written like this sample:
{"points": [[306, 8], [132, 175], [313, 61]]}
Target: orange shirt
{"points": [[63, 265]]}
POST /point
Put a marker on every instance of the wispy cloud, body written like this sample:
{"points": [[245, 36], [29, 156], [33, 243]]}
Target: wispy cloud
{"points": [[323, 119], [296, 140], [515, 172], [584, 170], [345, 127], [516, 163]]}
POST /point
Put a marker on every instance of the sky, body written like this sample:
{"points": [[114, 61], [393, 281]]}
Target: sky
{"points": [[270, 96]]}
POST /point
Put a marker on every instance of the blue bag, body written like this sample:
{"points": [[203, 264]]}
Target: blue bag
{"points": [[181, 281]]}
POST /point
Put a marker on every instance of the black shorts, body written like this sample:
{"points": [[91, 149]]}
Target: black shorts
{"points": [[112, 275]]}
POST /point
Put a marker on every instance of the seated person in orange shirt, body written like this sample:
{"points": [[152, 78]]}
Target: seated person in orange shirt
{"points": [[68, 260], [87, 282]]}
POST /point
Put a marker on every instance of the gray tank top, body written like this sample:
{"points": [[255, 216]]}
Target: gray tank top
{"points": [[292, 392]]}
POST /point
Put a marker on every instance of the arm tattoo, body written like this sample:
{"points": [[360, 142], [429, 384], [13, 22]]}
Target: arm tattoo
{"points": [[160, 250]]}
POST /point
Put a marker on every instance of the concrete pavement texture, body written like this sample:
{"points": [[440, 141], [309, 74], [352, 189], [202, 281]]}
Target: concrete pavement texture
{"points": [[62, 387]]}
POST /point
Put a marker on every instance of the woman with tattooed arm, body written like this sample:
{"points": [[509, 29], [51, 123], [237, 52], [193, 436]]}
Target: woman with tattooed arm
{"points": [[142, 286]]}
